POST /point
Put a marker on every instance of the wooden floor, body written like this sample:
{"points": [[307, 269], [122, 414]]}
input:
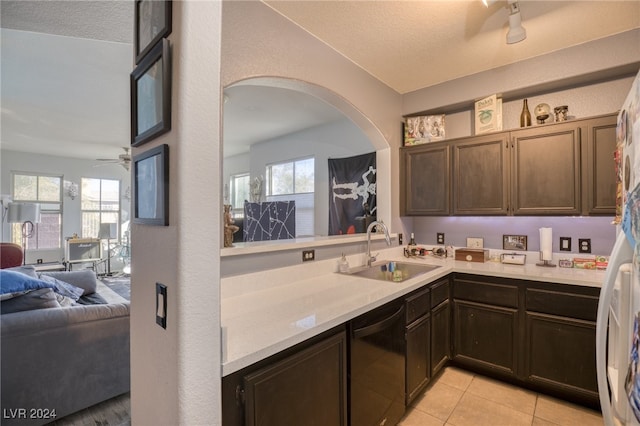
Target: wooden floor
{"points": [[114, 412]]}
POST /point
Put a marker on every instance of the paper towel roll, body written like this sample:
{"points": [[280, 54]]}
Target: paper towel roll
{"points": [[546, 243]]}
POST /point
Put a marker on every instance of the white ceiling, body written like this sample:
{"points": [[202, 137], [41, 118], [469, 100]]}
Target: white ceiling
{"points": [[66, 64]]}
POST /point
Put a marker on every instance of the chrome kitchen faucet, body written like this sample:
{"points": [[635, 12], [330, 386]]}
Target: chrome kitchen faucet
{"points": [[371, 258]]}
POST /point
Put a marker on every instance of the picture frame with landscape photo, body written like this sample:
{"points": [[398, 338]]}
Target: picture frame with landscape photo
{"points": [[151, 95], [152, 23], [151, 187]]}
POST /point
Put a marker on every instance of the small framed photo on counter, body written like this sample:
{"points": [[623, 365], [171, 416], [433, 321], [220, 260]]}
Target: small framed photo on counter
{"points": [[514, 242]]}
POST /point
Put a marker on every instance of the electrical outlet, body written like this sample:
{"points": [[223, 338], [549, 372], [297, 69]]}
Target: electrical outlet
{"points": [[440, 237], [565, 244], [308, 255], [400, 238], [473, 242], [584, 245]]}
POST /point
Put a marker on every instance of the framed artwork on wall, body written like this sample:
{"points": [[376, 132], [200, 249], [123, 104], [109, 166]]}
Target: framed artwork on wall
{"points": [[151, 95], [151, 186], [152, 23]]}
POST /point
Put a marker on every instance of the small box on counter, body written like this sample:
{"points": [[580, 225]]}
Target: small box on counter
{"points": [[565, 263], [513, 258], [584, 263], [602, 262], [472, 255]]}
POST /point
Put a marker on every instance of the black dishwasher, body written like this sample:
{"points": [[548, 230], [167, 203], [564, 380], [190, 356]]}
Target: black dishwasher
{"points": [[377, 366]]}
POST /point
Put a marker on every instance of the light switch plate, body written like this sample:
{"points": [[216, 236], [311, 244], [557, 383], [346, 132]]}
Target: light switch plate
{"points": [[161, 305], [474, 242], [565, 244]]}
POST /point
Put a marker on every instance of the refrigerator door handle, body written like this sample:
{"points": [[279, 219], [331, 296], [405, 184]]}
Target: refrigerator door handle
{"points": [[621, 253]]}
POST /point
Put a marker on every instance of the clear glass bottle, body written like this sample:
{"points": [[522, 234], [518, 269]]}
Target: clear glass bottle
{"points": [[525, 115]]}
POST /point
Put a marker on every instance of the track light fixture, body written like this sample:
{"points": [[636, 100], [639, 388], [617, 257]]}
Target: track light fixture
{"points": [[516, 31]]}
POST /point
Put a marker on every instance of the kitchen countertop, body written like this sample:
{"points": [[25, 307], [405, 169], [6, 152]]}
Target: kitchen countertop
{"points": [[266, 312]]}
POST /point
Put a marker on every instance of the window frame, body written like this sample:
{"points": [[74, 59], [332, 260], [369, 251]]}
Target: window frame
{"points": [[99, 210], [16, 228]]}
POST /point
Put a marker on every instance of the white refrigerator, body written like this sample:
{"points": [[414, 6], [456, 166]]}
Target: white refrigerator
{"points": [[618, 322]]}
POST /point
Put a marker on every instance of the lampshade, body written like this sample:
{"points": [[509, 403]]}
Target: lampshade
{"points": [[108, 231], [23, 212]]}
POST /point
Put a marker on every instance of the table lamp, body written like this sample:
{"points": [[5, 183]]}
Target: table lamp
{"points": [[107, 232], [27, 214]]}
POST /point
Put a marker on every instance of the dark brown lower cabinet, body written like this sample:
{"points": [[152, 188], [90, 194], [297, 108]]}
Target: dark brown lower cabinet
{"points": [[418, 336], [560, 354], [560, 341], [440, 336], [486, 336], [308, 387]]}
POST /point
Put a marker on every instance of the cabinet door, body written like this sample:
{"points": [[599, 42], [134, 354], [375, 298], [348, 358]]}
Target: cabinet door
{"points": [[440, 336], [600, 175], [561, 354], [486, 336], [481, 176], [545, 168], [425, 180], [307, 388], [417, 369]]}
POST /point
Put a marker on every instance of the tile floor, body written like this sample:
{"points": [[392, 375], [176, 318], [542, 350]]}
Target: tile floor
{"points": [[461, 398]]}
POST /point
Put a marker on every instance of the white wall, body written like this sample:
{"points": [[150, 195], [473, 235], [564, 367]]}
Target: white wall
{"points": [[175, 372], [71, 169]]}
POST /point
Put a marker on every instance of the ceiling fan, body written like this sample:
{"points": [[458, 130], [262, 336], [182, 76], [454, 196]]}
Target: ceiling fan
{"points": [[123, 159]]}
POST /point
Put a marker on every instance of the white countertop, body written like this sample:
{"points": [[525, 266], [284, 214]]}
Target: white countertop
{"points": [[266, 312]]}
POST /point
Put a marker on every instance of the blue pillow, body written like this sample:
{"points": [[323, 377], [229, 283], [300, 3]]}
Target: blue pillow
{"points": [[16, 282], [63, 288]]}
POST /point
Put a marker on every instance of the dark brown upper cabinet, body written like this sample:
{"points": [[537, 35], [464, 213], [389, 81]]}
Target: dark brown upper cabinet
{"points": [[600, 177], [546, 170], [481, 175], [425, 179], [555, 169]]}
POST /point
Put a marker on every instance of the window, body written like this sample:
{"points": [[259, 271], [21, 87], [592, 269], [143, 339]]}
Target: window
{"points": [[239, 190], [294, 180], [100, 203], [45, 190]]}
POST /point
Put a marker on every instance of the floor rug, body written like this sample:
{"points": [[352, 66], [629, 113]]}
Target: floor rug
{"points": [[121, 285]]}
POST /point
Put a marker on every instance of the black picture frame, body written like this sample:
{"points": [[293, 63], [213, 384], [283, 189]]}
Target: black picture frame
{"points": [[151, 95], [150, 177], [152, 22]]}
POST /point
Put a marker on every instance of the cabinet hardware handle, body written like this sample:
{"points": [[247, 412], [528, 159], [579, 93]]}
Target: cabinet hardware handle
{"points": [[239, 395]]}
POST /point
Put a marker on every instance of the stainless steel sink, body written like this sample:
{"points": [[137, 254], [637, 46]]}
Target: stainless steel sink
{"points": [[381, 271]]}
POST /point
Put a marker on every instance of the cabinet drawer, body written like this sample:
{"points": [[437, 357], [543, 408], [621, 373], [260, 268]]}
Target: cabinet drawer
{"points": [[439, 292], [417, 305], [493, 294], [580, 306]]}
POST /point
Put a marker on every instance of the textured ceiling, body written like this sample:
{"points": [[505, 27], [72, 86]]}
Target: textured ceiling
{"points": [[410, 45], [100, 20]]}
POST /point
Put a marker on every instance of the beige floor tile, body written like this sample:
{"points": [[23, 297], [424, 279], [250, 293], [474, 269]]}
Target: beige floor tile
{"points": [[537, 421], [503, 393], [457, 378], [566, 414], [473, 410], [415, 417], [439, 400]]}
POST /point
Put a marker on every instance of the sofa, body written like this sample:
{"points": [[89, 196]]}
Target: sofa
{"points": [[59, 359]]}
